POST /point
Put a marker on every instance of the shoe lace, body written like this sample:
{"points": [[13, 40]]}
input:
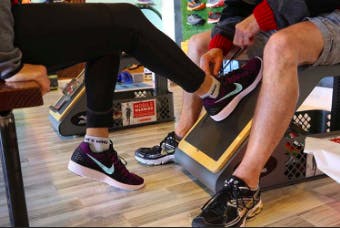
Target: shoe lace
{"points": [[229, 193], [217, 203], [120, 163], [170, 136], [240, 202], [122, 160]]}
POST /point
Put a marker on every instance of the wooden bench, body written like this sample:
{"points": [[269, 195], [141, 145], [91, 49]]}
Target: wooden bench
{"points": [[15, 95]]}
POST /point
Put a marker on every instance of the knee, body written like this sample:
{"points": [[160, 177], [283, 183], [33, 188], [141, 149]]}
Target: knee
{"points": [[130, 12], [129, 8], [281, 48], [197, 45], [280, 57]]}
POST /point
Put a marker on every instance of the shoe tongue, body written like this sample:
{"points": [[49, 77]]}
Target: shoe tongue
{"points": [[112, 150], [252, 64], [174, 136], [170, 136]]}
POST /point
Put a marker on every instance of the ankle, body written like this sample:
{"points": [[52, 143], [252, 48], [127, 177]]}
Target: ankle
{"points": [[180, 133], [209, 88], [251, 181]]}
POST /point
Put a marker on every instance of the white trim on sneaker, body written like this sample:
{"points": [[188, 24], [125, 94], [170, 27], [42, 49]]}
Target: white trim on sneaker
{"points": [[99, 176]]}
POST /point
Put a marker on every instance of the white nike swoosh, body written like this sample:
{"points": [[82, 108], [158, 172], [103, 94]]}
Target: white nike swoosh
{"points": [[107, 170], [235, 91]]}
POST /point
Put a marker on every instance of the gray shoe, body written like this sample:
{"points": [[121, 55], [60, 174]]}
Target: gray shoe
{"points": [[195, 19]]}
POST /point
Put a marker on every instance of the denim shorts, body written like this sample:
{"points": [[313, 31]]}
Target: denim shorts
{"points": [[329, 25]]}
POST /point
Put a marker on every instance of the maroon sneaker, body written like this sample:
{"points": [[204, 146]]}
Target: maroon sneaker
{"points": [[234, 86], [105, 166]]}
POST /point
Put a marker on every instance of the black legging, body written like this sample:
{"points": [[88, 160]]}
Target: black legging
{"points": [[60, 35]]}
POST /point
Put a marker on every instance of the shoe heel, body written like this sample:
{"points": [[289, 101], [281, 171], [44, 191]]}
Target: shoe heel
{"points": [[255, 211]]}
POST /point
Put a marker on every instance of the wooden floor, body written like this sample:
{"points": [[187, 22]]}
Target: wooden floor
{"points": [[171, 197]]}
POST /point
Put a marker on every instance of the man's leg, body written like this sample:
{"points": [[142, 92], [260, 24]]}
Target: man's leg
{"points": [[284, 52], [191, 109], [303, 43], [197, 46]]}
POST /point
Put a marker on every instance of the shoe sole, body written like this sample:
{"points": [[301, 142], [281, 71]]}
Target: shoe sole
{"points": [[225, 112], [252, 213], [212, 22], [98, 176], [160, 161], [213, 6]]}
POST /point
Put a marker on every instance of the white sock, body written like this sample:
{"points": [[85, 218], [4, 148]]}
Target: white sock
{"points": [[97, 144], [214, 89]]}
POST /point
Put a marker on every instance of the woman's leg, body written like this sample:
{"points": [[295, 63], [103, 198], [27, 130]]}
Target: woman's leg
{"points": [[64, 34], [94, 157]]}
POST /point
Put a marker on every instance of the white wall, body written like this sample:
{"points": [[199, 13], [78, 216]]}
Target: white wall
{"points": [[167, 11], [168, 15]]}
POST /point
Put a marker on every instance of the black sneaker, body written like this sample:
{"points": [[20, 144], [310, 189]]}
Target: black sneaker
{"points": [[160, 154], [231, 206], [105, 166], [234, 86]]}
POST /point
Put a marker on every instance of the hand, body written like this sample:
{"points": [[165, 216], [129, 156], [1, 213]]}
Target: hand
{"points": [[245, 32], [36, 73], [211, 61]]}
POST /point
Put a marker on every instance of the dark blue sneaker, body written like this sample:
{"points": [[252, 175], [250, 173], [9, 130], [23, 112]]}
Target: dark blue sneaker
{"points": [[234, 86], [160, 154], [105, 166], [231, 206]]}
